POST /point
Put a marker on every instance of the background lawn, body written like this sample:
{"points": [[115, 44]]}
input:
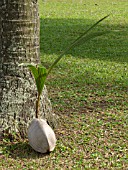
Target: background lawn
{"points": [[88, 89]]}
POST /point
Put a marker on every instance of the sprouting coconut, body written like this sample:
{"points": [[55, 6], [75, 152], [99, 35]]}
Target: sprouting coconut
{"points": [[40, 135]]}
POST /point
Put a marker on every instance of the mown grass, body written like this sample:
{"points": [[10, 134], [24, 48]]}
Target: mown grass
{"points": [[88, 89]]}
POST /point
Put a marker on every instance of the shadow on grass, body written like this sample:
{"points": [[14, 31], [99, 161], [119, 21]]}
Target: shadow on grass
{"points": [[20, 150], [56, 34]]}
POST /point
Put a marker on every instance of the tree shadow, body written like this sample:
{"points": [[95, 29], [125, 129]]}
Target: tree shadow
{"points": [[57, 34], [20, 150]]}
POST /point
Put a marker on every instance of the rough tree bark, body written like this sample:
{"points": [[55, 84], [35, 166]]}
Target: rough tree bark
{"points": [[19, 42]]}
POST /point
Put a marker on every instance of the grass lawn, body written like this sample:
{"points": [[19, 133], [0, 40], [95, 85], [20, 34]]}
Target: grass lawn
{"points": [[88, 89]]}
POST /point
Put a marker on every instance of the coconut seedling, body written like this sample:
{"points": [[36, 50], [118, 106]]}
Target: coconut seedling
{"points": [[40, 134]]}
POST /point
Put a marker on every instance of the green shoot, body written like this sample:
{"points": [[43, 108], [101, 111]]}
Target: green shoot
{"points": [[40, 73]]}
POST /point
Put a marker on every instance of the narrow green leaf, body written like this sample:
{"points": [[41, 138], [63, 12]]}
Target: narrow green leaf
{"points": [[94, 25], [39, 73], [40, 81], [77, 41]]}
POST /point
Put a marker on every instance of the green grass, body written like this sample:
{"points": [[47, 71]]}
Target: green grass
{"points": [[88, 89]]}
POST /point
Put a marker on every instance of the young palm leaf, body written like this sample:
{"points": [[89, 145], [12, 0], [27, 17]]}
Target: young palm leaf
{"points": [[84, 38], [39, 74]]}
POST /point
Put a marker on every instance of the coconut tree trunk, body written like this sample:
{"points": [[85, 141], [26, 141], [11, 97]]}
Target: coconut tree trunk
{"points": [[19, 42]]}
